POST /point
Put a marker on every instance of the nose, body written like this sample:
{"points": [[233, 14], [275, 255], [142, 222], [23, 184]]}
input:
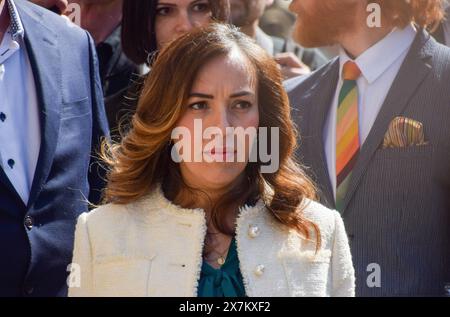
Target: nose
{"points": [[185, 23], [222, 121]]}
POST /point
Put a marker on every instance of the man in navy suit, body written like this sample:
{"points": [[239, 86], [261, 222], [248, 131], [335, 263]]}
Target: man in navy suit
{"points": [[52, 120]]}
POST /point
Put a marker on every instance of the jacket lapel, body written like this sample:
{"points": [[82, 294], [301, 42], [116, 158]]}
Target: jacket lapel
{"points": [[45, 60], [319, 107], [412, 73]]}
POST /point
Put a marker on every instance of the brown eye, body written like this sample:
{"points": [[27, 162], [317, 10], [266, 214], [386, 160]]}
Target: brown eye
{"points": [[163, 11], [198, 106], [242, 105], [201, 7]]}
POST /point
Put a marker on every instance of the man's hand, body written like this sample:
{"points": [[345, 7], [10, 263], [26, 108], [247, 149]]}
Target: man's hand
{"points": [[291, 66], [57, 6]]}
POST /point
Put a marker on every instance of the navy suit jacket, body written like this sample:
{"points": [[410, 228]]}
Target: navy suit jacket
{"points": [[36, 239]]}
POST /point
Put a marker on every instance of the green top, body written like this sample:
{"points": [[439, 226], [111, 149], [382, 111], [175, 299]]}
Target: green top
{"points": [[224, 282]]}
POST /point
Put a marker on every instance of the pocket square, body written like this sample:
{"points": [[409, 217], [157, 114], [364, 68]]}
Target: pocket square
{"points": [[404, 132]]}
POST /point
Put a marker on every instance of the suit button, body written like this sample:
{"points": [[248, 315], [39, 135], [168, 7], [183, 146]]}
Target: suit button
{"points": [[28, 290], [28, 222]]}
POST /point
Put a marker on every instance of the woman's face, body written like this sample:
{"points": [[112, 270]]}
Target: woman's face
{"points": [[224, 96], [176, 17]]}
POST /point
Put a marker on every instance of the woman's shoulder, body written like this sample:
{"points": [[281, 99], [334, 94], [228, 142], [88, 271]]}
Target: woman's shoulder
{"points": [[325, 218], [104, 216], [318, 211], [150, 208]]}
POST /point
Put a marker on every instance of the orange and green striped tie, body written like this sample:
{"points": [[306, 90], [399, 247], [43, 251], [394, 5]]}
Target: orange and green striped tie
{"points": [[347, 131]]}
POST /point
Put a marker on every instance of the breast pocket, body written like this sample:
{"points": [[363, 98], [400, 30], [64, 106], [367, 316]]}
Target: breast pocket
{"points": [[122, 277], [395, 199], [402, 176], [76, 109], [76, 125]]}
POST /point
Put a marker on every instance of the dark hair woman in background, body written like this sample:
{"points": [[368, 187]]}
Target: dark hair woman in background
{"points": [[148, 24]]}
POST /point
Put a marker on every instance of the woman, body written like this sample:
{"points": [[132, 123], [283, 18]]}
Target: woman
{"points": [[210, 227]]}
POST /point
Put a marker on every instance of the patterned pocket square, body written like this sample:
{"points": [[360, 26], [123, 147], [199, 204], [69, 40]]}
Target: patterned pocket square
{"points": [[404, 132]]}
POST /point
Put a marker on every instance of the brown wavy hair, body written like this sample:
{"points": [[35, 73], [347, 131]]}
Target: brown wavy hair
{"points": [[142, 160], [424, 13]]}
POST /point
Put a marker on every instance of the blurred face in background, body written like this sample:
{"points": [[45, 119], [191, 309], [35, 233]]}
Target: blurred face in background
{"points": [[176, 17], [245, 12], [224, 95], [321, 23]]}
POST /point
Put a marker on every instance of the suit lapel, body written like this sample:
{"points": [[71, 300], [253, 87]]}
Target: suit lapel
{"points": [[45, 60], [412, 73], [322, 99]]}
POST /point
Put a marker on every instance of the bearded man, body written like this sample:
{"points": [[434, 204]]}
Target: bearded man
{"points": [[375, 133]]}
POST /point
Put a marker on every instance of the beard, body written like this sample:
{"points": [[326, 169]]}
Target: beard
{"points": [[323, 24]]}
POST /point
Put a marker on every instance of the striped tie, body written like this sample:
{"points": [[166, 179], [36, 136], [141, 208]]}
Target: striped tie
{"points": [[347, 131]]}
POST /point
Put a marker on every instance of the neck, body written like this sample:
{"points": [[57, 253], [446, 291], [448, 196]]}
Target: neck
{"points": [[250, 29], [360, 39], [101, 19], [4, 18], [203, 199]]}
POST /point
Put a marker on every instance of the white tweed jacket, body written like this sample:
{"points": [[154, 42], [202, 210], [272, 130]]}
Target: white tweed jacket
{"points": [[154, 248]]}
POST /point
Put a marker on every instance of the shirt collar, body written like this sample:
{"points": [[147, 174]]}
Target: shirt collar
{"points": [[16, 27], [378, 58], [114, 39]]}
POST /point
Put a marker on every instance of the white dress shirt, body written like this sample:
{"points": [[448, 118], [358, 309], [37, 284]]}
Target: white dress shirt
{"points": [[20, 134], [379, 66]]}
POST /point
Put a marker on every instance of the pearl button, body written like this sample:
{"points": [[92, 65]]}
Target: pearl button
{"points": [[253, 231], [259, 270]]}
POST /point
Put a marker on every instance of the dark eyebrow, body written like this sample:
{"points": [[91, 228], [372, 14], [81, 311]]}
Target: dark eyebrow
{"points": [[235, 95], [242, 94], [199, 95]]}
